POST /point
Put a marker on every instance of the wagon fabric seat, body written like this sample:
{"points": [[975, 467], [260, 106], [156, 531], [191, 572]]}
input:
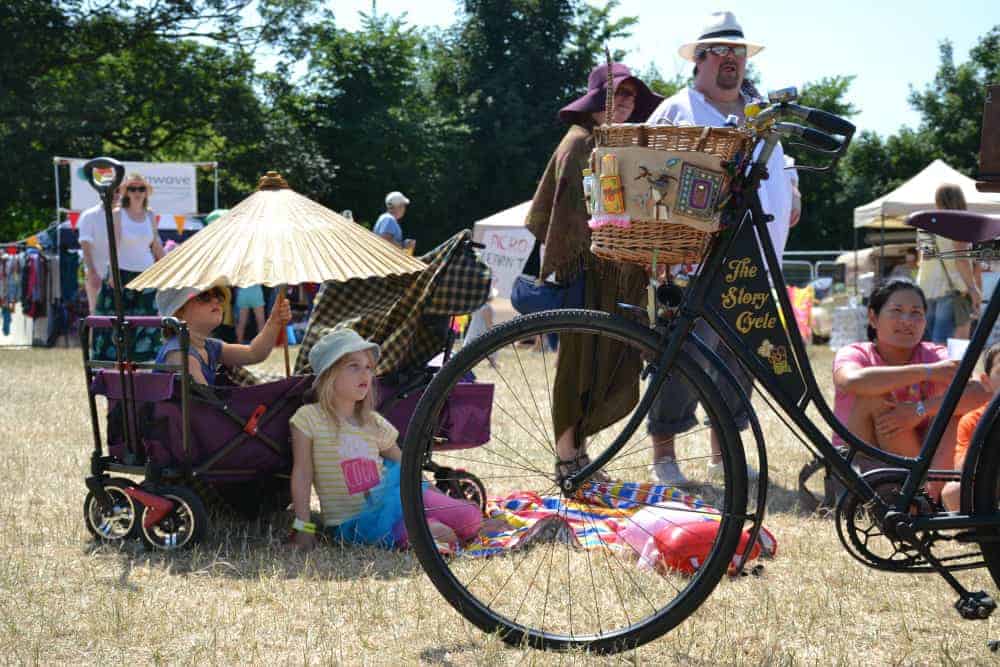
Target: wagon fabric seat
{"points": [[237, 433]]}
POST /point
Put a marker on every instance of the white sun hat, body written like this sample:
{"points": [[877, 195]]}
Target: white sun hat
{"points": [[721, 28]]}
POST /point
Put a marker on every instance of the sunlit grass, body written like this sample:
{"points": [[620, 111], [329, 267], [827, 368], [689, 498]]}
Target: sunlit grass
{"points": [[242, 597]]}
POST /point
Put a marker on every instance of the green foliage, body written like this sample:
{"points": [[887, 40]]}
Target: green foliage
{"points": [[461, 119], [661, 86]]}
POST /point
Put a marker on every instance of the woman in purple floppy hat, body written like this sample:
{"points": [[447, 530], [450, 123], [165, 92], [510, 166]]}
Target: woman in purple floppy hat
{"points": [[558, 219]]}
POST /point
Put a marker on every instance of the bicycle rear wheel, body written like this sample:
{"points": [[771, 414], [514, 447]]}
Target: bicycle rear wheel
{"points": [[572, 573]]}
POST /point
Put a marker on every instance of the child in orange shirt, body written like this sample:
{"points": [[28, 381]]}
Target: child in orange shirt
{"points": [[951, 493]]}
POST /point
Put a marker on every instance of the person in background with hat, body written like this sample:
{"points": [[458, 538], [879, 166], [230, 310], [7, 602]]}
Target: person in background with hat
{"points": [[349, 453], [719, 92], [387, 226], [593, 387], [203, 312]]}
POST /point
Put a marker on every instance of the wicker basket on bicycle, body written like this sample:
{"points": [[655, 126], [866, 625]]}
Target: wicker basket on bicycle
{"points": [[658, 190]]}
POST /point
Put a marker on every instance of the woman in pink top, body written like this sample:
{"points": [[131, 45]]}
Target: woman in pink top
{"points": [[888, 389]]}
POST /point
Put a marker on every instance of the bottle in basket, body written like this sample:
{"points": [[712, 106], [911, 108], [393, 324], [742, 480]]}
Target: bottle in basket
{"points": [[588, 190], [611, 186]]}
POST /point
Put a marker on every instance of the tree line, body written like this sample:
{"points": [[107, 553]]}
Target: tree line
{"points": [[462, 119]]}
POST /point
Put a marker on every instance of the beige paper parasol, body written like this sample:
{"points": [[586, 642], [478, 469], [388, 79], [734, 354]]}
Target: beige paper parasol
{"points": [[277, 237]]}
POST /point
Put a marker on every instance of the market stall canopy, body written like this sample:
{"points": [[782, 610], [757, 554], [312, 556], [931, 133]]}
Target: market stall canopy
{"points": [[273, 237], [917, 194], [508, 245]]}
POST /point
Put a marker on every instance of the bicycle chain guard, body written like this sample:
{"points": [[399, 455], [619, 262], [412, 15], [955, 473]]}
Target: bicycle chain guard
{"points": [[860, 528], [863, 535]]}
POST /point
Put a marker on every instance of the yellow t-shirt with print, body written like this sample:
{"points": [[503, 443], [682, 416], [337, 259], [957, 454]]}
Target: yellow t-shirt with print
{"points": [[334, 448]]}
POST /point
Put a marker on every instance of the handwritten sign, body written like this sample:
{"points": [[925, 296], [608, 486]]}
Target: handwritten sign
{"points": [[505, 253]]}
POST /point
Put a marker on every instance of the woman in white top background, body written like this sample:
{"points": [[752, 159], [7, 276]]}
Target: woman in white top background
{"points": [[953, 296], [138, 244]]}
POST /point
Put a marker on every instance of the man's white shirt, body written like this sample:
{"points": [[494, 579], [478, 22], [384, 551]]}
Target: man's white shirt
{"points": [[93, 227], [689, 107]]}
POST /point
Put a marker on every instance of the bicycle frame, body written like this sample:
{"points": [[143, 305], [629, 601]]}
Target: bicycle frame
{"points": [[737, 250]]}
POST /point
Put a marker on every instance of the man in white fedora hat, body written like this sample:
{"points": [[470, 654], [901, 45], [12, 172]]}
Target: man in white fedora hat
{"points": [[716, 98]]}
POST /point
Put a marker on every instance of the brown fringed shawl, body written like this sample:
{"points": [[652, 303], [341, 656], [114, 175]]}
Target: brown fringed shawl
{"points": [[558, 215]]}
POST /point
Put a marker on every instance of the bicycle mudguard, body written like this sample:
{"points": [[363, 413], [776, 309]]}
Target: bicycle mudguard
{"points": [[983, 430], [758, 434]]}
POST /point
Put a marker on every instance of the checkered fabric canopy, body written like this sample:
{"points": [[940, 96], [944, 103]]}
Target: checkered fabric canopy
{"points": [[408, 317]]}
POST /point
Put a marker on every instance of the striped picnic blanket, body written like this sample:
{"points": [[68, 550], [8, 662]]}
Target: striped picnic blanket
{"points": [[591, 520]]}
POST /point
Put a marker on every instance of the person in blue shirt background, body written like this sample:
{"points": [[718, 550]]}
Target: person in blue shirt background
{"points": [[387, 226]]}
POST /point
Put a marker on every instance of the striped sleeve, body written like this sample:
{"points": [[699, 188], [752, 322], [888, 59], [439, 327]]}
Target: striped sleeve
{"points": [[387, 433], [302, 420]]}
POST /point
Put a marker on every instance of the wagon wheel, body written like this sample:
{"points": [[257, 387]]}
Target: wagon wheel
{"points": [[117, 522], [182, 527], [461, 485]]}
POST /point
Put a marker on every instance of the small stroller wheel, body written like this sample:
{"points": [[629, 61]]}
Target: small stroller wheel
{"points": [[182, 527], [118, 522], [463, 486]]}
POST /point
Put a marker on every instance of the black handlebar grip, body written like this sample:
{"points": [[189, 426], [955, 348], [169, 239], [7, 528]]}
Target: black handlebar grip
{"points": [[820, 139], [829, 123]]}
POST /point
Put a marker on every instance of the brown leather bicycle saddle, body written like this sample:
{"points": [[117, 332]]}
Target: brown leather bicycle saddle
{"points": [[957, 225]]}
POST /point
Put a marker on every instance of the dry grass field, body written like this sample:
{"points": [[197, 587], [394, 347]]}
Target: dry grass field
{"points": [[241, 597]]}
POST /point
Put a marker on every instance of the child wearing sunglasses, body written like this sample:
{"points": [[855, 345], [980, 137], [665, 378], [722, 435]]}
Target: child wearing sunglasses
{"points": [[202, 311]]}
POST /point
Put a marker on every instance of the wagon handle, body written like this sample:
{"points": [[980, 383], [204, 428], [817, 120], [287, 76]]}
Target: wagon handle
{"points": [[104, 174]]}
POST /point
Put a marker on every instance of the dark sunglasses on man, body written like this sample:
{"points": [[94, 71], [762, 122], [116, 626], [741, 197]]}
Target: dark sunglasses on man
{"points": [[722, 50]]}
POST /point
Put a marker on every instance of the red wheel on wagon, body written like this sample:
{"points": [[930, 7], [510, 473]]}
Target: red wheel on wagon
{"points": [[117, 521], [183, 526]]}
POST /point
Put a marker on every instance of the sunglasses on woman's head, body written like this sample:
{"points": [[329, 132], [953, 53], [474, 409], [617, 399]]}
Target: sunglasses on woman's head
{"points": [[136, 188]]}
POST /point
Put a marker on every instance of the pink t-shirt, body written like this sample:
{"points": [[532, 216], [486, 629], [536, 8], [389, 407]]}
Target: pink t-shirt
{"points": [[866, 356]]}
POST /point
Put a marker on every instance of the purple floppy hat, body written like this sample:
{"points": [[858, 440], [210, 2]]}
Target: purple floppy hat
{"points": [[646, 100]]}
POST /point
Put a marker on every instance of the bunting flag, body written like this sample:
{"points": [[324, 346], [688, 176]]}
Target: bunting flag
{"points": [[74, 217], [157, 218], [11, 250], [33, 242], [179, 220]]}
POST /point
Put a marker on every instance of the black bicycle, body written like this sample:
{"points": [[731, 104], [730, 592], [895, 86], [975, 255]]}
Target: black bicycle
{"points": [[564, 591]]}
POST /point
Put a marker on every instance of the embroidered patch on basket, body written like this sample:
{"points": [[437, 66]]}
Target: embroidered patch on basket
{"points": [[698, 191]]}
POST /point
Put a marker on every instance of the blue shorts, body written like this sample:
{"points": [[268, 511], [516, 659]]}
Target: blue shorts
{"points": [[250, 297]]}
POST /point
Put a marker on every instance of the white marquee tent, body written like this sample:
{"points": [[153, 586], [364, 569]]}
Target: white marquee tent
{"points": [[917, 194]]}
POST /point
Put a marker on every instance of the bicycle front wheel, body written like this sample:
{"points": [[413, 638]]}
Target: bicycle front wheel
{"points": [[617, 564]]}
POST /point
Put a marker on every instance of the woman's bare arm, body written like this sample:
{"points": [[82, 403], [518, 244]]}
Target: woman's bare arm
{"points": [[877, 380]]}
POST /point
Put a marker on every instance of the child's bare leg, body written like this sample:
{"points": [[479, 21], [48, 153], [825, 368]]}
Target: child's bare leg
{"points": [[241, 324], [258, 318], [944, 459], [951, 496]]}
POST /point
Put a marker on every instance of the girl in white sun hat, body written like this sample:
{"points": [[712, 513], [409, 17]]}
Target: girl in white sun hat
{"points": [[348, 452]]}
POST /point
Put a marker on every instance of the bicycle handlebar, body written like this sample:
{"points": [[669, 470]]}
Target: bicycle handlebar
{"points": [[813, 139], [822, 120]]}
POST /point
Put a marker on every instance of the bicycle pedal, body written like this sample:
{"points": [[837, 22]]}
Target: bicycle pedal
{"points": [[975, 605]]}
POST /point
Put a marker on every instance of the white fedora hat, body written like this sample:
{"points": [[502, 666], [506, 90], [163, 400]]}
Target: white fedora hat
{"points": [[721, 28]]}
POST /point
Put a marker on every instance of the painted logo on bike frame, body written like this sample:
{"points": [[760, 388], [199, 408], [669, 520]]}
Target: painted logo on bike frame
{"points": [[742, 297]]}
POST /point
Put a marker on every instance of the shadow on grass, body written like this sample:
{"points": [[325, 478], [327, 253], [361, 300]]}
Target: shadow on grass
{"points": [[257, 549]]}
